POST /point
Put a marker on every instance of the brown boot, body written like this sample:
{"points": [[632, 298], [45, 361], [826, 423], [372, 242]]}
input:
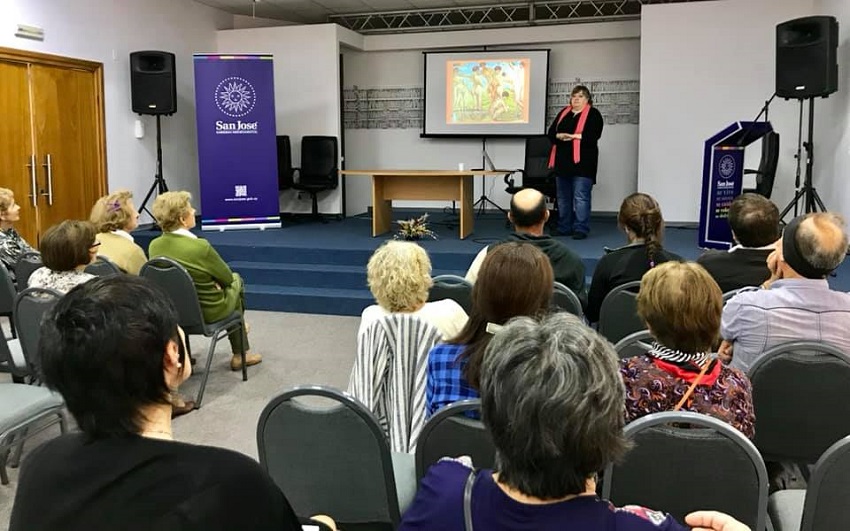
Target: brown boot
{"points": [[250, 359]]}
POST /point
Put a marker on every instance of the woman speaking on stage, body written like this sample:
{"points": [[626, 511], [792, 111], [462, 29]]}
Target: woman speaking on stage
{"points": [[574, 158]]}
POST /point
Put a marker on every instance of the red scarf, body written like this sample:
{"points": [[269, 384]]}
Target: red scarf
{"points": [[582, 119], [689, 375]]}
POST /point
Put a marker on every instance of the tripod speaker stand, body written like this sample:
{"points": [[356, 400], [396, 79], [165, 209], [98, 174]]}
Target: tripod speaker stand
{"points": [[159, 186], [481, 203], [808, 193]]}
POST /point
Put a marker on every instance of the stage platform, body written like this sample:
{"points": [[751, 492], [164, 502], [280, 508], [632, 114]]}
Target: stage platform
{"points": [[314, 267]]}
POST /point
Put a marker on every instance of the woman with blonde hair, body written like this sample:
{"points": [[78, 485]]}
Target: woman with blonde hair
{"points": [[115, 217], [640, 218], [12, 245], [220, 290], [399, 277], [681, 305]]}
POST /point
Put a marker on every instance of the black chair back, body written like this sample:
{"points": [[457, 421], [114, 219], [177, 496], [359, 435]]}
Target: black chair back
{"points": [[24, 267], [7, 292], [790, 382], [450, 433], [618, 315], [31, 305], [176, 281], [537, 173], [319, 156], [683, 469], [285, 173], [826, 504], [564, 299], [452, 287], [103, 267], [329, 460]]}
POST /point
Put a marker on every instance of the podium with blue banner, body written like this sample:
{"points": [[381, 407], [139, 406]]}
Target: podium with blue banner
{"points": [[722, 177]]}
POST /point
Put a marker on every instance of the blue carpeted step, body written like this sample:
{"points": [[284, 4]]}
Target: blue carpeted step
{"points": [[307, 300], [309, 275]]}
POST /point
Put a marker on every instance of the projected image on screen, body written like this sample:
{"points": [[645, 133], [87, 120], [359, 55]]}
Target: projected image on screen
{"points": [[487, 91]]}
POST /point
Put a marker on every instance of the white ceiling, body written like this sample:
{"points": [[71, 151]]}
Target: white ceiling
{"points": [[317, 11]]}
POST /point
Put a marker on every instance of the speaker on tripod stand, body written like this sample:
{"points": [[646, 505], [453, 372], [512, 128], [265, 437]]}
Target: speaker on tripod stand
{"points": [[153, 91], [807, 68]]}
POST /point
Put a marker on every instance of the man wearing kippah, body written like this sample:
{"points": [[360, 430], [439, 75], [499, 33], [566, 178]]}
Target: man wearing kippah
{"points": [[795, 303]]}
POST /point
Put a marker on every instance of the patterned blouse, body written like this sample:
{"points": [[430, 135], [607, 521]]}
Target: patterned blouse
{"points": [[61, 281], [657, 381], [12, 246]]}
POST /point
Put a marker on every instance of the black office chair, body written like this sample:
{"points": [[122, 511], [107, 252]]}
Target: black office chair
{"points": [[766, 173], [285, 171], [318, 171], [536, 172]]}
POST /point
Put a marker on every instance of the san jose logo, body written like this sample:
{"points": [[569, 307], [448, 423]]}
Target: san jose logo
{"points": [[235, 96], [727, 166]]}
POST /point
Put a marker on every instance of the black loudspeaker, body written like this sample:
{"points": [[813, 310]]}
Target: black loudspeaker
{"points": [[153, 82], [807, 57]]}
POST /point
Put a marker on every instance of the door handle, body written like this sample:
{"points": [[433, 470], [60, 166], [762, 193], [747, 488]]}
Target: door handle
{"points": [[33, 193], [48, 164]]}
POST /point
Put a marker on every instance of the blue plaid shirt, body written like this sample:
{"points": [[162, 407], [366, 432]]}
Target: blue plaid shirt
{"points": [[445, 381]]}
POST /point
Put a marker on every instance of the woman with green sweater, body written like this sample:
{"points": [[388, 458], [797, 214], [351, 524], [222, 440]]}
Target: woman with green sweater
{"points": [[220, 290]]}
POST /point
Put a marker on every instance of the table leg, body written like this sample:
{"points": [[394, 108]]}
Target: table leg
{"points": [[466, 209], [382, 210]]}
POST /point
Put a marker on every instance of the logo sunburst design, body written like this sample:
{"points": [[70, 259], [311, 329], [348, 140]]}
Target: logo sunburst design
{"points": [[727, 166], [235, 97]]}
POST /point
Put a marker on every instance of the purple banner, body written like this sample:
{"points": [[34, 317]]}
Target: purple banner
{"points": [[237, 146]]}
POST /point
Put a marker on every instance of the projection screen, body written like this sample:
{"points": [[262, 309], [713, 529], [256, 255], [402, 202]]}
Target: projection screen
{"points": [[483, 94]]}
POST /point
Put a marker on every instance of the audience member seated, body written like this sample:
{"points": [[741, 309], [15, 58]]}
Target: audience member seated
{"points": [[399, 277], [220, 290], [529, 215], [795, 303], [12, 245], [640, 218], [66, 250], [681, 304], [552, 400], [755, 227], [454, 368], [112, 348], [115, 217]]}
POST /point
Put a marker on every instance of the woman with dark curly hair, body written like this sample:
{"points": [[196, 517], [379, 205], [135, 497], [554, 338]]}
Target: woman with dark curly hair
{"points": [[640, 218]]}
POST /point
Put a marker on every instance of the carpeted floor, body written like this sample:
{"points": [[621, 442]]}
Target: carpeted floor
{"points": [[297, 349]]}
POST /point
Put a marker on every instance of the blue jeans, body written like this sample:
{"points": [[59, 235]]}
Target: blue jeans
{"points": [[574, 204]]}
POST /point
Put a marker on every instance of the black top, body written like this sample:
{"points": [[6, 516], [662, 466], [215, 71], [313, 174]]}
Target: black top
{"points": [[589, 150], [622, 265], [567, 265], [737, 269], [134, 483]]}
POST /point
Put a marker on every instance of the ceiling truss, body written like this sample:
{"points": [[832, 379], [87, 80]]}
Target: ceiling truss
{"points": [[498, 16]]}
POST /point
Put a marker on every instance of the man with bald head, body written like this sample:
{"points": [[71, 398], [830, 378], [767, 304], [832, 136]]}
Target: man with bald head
{"points": [[795, 303], [529, 214]]}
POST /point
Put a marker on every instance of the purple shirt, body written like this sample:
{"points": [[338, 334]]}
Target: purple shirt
{"points": [[439, 506], [793, 309]]}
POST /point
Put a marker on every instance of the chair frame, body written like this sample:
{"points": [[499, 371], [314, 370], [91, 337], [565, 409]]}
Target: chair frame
{"points": [[21, 259], [333, 181], [344, 399], [629, 287], [833, 453], [103, 262], [16, 436], [10, 294], [22, 330], [772, 354], [561, 289], [635, 338], [453, 280], [701, 421], [215, 331], [445, 414]]}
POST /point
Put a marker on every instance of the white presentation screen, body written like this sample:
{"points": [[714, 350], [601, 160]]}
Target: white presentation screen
{"points": [[500, 93]]}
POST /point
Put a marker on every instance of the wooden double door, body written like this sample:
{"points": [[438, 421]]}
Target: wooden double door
{"points": [[52, 142]]}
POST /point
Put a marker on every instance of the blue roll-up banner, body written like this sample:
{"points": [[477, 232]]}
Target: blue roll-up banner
{"points": [[237, 145]]}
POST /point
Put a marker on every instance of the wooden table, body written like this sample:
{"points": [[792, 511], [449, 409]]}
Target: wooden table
{"points": [[420, 185]]}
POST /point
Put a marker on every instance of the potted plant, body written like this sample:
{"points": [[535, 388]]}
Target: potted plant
{"points": [[414, 229]]}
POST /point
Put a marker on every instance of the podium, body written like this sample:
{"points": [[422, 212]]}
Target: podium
{"points": [[722, 177]]}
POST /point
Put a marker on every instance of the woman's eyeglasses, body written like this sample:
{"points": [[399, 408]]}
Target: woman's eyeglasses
{"points": [[94, 245]]}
